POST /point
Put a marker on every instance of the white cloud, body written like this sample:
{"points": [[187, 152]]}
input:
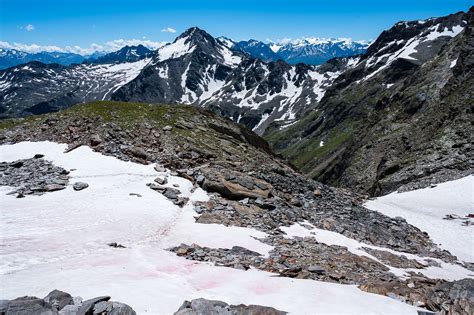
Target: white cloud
{"points": [[168, 30], [30, 27], [119, 43], [29, 48], [109, 46]]}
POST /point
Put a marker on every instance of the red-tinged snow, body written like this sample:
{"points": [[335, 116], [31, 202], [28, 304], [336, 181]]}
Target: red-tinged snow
{"points": [[426, 208], [59, 241]]}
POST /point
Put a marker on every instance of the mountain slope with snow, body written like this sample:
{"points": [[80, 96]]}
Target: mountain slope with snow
{"points": [[200, 70], [195, 69], [398, 116], [37, 88]]}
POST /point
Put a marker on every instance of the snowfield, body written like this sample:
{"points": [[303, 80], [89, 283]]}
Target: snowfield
{"points": [[59, 241], [426, 208]]}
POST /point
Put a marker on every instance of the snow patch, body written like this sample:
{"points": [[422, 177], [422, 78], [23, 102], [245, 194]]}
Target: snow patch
{"points": [[426, 208], [175, 50]]}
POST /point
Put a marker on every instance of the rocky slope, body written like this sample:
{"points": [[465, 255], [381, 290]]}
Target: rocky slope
{"points": [[251, 187], [195, 69], [398, 117]]}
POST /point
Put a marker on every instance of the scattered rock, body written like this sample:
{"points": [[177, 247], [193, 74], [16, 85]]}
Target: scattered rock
{"points": [[95, 140], [53, 187], [135, 194], [161, 180], [80, 186], [316, 269], [116, 245], [171, 193], [167, 128], [138, 152], [159, 168], [33, 176]]}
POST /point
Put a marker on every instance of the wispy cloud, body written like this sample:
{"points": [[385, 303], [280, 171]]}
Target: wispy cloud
{"points": [[109, 46], [30, 27], [169, 30]]}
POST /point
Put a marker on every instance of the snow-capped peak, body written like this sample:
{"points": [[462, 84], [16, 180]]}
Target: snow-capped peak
{"points": [[226, 41]]}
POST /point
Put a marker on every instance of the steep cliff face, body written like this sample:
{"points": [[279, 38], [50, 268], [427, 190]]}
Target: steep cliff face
{"points": [[400, 116]]}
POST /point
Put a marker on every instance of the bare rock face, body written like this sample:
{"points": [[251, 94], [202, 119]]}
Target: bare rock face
{"points": [[213, 307], [455, 297]]}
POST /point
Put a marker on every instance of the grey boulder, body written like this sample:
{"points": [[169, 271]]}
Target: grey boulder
{"points": [[80, 186]]}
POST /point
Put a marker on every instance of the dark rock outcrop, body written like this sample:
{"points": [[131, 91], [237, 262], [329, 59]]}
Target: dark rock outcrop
{"points": [[62, 303], [212, 307]]}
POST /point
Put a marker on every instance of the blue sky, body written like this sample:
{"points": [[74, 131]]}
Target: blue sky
{"points": [[81, 23]]}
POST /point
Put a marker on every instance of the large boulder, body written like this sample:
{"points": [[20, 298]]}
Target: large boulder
{"points": [[234, 185], [27, 305], [59, 299]]}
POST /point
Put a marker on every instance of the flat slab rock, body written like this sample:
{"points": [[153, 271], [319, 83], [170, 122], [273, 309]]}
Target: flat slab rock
{"points": [[61, 303], [213, 307]]}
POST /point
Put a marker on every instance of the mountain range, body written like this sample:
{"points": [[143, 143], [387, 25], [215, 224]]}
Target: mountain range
{"points": [[316, 116], [195, 69], [309, 51], [12, 57], [313, 51]]}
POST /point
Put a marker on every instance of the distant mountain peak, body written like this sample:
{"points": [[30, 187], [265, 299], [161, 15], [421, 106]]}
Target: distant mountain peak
{"points": [[311, 50], [125, 54]]}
